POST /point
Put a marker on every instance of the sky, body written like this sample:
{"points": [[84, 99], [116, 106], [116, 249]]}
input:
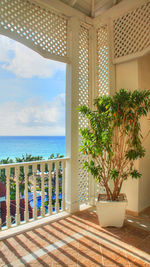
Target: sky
{"points": [[32, 92]]}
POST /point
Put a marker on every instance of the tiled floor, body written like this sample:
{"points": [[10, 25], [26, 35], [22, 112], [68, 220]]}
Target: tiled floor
{"points": [[78, 240]]}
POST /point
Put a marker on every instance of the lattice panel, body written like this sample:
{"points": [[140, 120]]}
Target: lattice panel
{"points": [[102, 61], [83, 100], [44, 29], [132, 32]]}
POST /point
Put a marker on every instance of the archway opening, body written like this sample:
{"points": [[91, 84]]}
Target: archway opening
{"points": [[32, 104]]}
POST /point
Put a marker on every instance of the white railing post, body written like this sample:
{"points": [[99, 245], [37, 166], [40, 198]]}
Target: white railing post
{"points": [[57, 188], [8, 217], [34, 171], [43, 190], [63, 185], [50, 208], [26, 213], [17, 215]]}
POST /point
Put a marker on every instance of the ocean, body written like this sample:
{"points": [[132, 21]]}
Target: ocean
{"points": [[16, 146]]}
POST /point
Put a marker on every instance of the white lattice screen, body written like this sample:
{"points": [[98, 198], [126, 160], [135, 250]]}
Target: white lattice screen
{"points": [[45, 30], [132, 32], [83, 100], [102, 61]]}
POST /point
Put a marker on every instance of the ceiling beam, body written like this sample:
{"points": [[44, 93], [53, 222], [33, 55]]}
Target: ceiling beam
{"points": [[93, 8], [117, 10], [63, 9], [72, 2], [115, 2], [101, 4]]}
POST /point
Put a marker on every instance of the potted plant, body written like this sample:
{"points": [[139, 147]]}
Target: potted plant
{"points": [[112, 142]]}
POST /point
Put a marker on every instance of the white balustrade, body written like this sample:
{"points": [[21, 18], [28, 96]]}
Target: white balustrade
{"points": [[32, 195]]}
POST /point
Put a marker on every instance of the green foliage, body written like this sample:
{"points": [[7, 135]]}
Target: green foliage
{"points": [[113, 137], [135, 174], [28, 157], [6, 161]]}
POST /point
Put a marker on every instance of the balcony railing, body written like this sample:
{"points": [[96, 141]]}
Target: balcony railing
{"points": [[33, 190]]}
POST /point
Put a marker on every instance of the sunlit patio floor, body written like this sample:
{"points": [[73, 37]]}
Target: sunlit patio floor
{"points": [[78, 240]]}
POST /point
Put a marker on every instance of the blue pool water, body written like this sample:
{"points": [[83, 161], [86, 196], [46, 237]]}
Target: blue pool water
{"points": [[39, 199], [16, 146]]}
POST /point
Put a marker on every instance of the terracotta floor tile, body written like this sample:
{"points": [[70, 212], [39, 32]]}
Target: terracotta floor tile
{"points": [[64, 261], [113, 256], [53, 257], [52, 235], [8, 253], [39, 263], [89, 260], [62, 265], [135, 262], [132, 240], [145, 245], [2, 262], [74, 224], [69, 252], [93, 247], [141, 264], [5, 259], [68, 228]]}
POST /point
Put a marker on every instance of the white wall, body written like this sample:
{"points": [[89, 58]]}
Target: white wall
{"points": [[133, 75], [127, 78], [144, 164]]}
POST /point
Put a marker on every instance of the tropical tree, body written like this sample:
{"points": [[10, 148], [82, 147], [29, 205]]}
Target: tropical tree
{"points": [[113, 138]]}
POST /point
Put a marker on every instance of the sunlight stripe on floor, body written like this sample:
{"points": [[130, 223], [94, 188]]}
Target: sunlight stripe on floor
{"points": [[43, 251]]}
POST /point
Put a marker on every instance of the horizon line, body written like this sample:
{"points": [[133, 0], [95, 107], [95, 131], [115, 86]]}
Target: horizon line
{"points": [[32, 135]]}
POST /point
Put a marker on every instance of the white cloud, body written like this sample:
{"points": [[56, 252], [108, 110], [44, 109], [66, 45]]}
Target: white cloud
{"points": [[24, 62], [33, 117]]}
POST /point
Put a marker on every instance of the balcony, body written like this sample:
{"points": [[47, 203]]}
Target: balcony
{"points": [[49, 216]]}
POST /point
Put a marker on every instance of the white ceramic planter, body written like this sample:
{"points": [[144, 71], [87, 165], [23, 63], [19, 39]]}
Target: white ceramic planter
{"points": [[111, 213]]}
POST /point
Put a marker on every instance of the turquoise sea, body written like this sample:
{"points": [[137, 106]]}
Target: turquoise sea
{"points": [[16, 146]]}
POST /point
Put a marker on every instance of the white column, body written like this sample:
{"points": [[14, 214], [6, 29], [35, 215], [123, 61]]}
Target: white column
{"points": [[93, 92], [72, 132]]}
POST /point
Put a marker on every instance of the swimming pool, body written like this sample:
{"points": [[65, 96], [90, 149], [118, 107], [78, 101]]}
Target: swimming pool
{"points": [[38, 199]]}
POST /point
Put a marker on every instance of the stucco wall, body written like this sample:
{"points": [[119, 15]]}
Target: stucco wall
{"points": [[144, 164], [127, 75], [133, 75], [127, 78]]}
